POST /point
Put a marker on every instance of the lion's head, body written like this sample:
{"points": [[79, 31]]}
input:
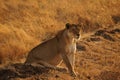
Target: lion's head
{"points": [[74, 30]]}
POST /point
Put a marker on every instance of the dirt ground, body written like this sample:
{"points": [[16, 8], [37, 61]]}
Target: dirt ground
{"points": [[97, 58]]}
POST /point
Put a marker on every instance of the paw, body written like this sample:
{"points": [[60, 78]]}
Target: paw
{"points": [[62, 69], [73, 74]]}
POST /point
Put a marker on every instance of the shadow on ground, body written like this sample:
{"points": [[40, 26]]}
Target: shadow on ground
{"points": [[20, 71]]}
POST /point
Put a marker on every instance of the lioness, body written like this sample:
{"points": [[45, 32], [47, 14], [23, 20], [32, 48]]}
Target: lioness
{"points": [[53, 51]]}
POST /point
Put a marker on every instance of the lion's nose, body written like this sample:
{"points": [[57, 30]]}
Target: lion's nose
{"points": [[78, 35]]}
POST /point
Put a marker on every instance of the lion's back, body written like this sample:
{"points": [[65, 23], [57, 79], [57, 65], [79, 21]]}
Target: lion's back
{"points": [[44, 51]]}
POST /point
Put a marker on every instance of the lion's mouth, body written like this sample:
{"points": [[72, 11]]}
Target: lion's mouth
{"points": [[77, 36]]}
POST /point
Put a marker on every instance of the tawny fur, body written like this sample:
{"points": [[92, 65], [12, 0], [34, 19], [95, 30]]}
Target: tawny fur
{"points": [[53, 51]]}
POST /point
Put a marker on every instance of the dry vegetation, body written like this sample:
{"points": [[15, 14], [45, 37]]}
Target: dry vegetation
{"points": [[26, 23]]}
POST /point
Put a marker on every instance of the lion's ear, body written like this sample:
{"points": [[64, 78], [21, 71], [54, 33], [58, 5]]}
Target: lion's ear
{"points": [[81, 25], [67, 25]]}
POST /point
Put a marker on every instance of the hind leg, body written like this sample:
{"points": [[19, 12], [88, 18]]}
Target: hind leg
{"points": [[47, 65]]}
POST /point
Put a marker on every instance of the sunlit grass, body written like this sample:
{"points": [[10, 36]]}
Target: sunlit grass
{"points": [[26, 23]]}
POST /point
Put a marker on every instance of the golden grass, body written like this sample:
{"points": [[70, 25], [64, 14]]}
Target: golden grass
{"points": [[25, 23]]}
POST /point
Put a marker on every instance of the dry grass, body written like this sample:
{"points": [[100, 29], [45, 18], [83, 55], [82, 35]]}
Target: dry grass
{"points": [[25, 23]]}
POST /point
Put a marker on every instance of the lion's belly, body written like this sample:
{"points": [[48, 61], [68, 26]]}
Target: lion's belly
{"points": [[56, 60]]}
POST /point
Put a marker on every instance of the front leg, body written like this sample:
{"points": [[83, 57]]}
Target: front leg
{"points": [[71, 58], [67, 62]]}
